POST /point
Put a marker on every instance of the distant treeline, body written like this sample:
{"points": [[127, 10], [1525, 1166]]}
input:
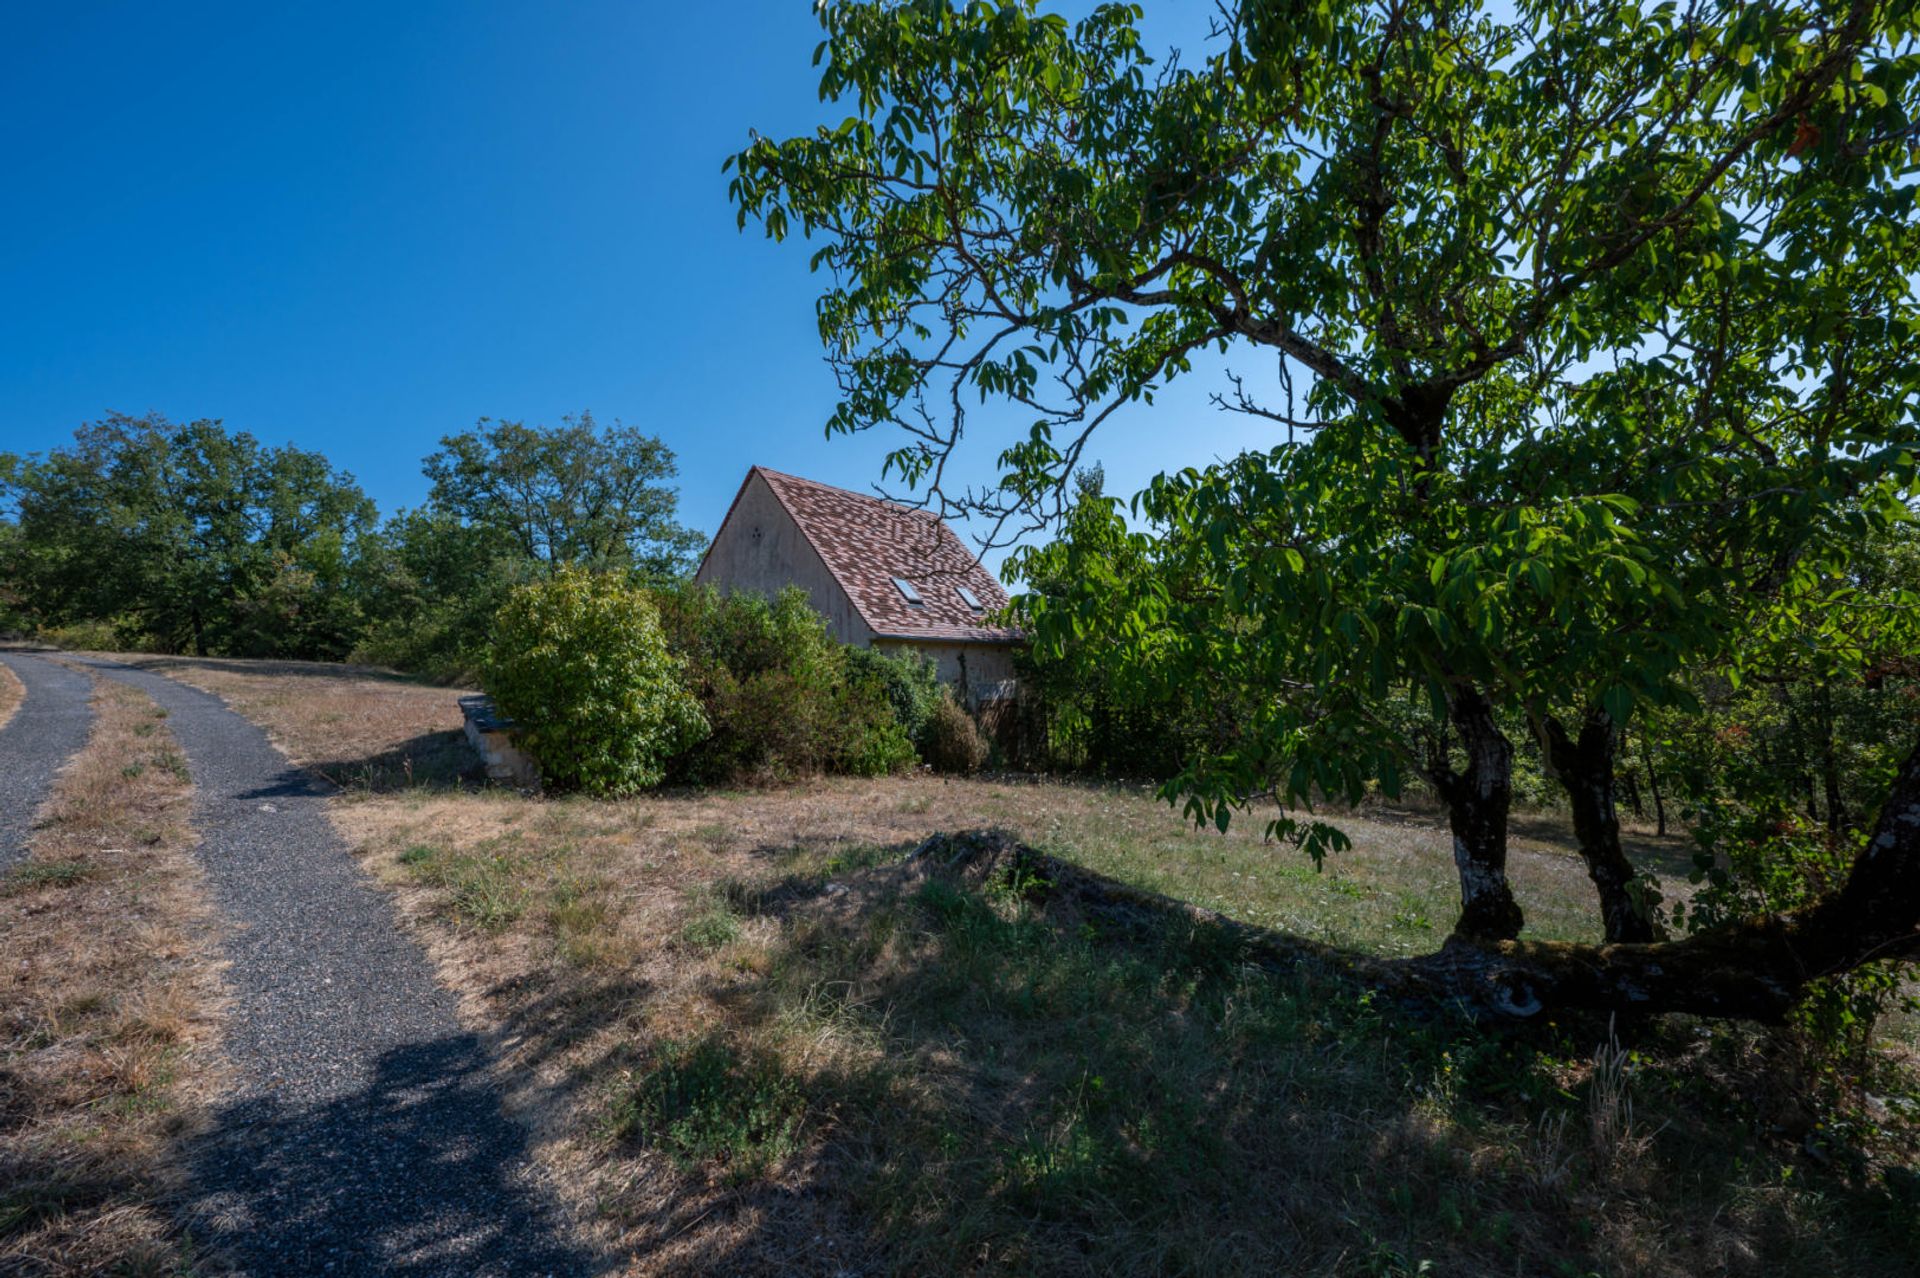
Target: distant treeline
{"points": [[199, 539]]}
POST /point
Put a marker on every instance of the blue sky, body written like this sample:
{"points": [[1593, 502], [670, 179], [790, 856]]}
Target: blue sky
{"points": [[358, 227]]}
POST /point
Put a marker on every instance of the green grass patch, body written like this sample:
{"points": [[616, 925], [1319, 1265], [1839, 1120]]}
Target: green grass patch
{"points": [[705, 1103], [713, 928], [485, 889], [33, 875]]}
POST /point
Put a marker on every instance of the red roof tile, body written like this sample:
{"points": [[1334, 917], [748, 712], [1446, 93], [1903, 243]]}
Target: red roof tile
{"points": [[866, 542]]}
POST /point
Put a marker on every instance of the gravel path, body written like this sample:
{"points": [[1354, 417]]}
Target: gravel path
{"points": [[363, 1135], [50, 724]]}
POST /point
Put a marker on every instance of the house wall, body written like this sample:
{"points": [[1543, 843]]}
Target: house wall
{"points": [[980, 671], [760, 549]]}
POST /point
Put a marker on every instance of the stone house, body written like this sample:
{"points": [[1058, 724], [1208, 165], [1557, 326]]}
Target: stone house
{"points": [[883, 575]]}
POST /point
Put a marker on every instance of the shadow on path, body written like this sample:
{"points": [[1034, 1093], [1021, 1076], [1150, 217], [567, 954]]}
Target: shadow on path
{"points": [[413, 1174]]}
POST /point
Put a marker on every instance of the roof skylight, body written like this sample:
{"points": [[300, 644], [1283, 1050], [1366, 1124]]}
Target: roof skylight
{"points": [[907, 591], [968, 598]]}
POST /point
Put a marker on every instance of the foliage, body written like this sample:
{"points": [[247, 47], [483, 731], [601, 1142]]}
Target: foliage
{"points": [[581, 665], [783, 698], [194, 537], [910, 682], [185, 536], [954, 740], [577, 493], [1115, 704], [432, 586], [1603, 314]]}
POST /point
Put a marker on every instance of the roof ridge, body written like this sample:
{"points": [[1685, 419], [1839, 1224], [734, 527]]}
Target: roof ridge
{"points": [[850, 492]]}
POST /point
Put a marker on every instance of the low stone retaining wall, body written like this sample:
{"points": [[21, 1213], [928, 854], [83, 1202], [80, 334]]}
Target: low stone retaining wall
{"points": [[491, 735]]}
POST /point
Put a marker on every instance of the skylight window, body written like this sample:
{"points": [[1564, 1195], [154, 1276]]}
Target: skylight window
{"points": [[968, 598], [907, 591]]}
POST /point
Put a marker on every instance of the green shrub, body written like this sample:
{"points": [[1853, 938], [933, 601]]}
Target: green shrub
{"points": [[108, 635], [954, 741], [909, 681], [783, 697], [581, 665]]}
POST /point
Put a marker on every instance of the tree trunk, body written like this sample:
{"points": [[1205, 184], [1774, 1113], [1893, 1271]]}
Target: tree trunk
{"points": [[1653, 786], [1584, 766], [1630, 779], [1478, 801], [1753, 969]]}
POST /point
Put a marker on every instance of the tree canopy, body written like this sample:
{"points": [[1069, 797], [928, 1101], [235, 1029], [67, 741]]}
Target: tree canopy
{"points": [[1586, 333], [197, 536], [576, 493]]}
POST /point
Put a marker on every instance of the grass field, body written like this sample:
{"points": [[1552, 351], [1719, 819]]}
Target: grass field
{"points": [[106, 1008], [751, 1036]]}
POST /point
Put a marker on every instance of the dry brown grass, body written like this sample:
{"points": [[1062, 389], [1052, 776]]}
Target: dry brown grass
{"points": [[750, 1040], [107, 1000], [12, 693], [361, 727]]}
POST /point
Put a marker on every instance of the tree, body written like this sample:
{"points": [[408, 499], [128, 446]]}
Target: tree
{"points": [[576, 493], [1603, 314], [188, 536]]}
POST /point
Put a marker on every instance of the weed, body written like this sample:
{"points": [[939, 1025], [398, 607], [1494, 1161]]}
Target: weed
{"points": [[715, 927], [483, 890], [702, 1102]]}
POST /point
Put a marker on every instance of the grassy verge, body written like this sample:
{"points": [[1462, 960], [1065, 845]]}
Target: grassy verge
{"points": [[12, 693], [840, 1061], [753, 1037], [106, 1003], [366, 730]]}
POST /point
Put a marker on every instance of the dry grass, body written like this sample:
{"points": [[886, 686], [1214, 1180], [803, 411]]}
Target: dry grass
{"points": [[361, 727], [751, 1038], [12, 693], [107, 1000]]}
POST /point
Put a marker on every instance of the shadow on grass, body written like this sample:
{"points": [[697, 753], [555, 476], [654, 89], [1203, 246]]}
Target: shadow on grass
{"points": [[431, 761], [417, 1172], [998, 1078]]}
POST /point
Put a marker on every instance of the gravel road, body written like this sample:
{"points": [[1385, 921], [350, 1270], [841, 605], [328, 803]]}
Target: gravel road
{"points": [[362, 1135], [50, 724]]}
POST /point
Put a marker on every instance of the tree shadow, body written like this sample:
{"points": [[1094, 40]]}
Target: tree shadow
{"points": [[1079, 1077], [437, 761], [416, 1172]]}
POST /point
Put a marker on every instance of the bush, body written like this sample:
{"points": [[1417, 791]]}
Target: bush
{"points": [[108, 635], [580, 663], [954, 740], [783, 697], [909, 682]]}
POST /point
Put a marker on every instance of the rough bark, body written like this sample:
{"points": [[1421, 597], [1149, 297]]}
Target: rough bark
{"points": [[1753, 969], [1478, 801], [1584, 766]]}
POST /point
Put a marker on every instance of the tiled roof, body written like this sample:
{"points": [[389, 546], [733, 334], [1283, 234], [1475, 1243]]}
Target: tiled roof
{"points": [[866, 542]]}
